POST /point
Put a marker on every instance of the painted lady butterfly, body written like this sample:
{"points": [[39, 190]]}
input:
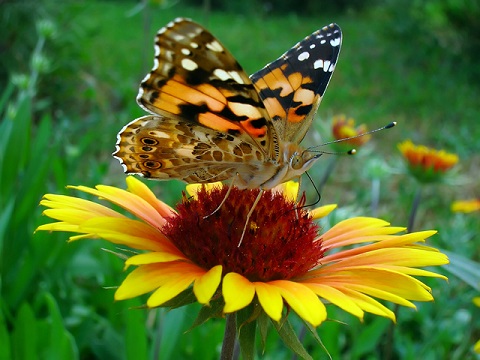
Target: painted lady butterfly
{"points": [[211, 122]]}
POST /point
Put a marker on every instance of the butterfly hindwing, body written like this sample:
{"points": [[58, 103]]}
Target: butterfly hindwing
{"points": [[292, 86], [196, 79], [167, 148]]}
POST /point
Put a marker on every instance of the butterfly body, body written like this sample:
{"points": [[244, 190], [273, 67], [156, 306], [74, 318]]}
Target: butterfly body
{"points": [[211, 122]]}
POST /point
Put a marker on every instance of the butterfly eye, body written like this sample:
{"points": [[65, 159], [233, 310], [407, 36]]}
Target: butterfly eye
{"points": [[296, 162]]}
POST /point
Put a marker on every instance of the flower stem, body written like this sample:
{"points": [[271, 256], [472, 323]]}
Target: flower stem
{"points": [[229, 337], [413, 212], [375, 196]]}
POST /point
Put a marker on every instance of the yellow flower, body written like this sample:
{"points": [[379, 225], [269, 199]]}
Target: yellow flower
{"points": [[476, 347], [425, 163], [343, 128], [282, 262], [466, 206]]}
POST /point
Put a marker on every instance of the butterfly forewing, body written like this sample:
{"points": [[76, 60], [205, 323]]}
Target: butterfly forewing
{"points": [[292, 86], [196, 79]]}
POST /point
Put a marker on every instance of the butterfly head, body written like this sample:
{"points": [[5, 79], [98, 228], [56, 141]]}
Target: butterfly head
{"points": [[299, 160]]}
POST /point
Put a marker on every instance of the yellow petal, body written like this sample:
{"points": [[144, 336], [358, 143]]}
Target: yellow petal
{"points": [[337, 298], [193, 189], [204, 287], [270, 300], [137, 187], [129, 232], [370, 305], [69, 202], [152, 258], [128, 201], [288, 189], [170, 289], [322, 211], [141, 281], [302, 300], [237, 292]]}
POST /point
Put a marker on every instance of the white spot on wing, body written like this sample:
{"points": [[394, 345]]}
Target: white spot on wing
{"points": [[323, 41], [335, 42], [236, 76], [215, 46], [318, 64], [185, 51], [312, 46], [326, 65], [194, 45], [303, 56], [189, 65], [221, 74]]}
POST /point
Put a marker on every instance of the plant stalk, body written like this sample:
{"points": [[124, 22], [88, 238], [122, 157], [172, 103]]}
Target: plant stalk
{"points": [[230, 335]]}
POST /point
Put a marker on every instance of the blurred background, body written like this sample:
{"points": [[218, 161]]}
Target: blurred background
{"points": [[69, 75]]}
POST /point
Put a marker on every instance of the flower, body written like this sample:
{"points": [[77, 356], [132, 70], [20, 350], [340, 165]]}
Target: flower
{"points": [[466, 206], [426, 164], [476, 347], [283, 261], [343, 129]]}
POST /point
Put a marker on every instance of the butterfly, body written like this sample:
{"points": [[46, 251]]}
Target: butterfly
{"points": [[209, 121]]}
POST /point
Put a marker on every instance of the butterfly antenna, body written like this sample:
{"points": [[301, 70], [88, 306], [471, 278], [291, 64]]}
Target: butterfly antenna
{"points": [[388, 126]]}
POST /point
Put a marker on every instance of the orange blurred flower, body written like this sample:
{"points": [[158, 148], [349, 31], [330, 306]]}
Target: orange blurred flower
{"points": [[343, 128], [425, 163]]}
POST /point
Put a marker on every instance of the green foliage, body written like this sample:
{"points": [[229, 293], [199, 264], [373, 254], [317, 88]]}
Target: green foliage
{"points": [[68, 84]]}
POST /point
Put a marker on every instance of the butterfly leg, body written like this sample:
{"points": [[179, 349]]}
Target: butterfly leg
{"points": [[223, 201], [247, 221]]}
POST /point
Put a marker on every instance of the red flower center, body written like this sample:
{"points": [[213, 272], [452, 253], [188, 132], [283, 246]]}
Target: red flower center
{"points": [[279, 242]]}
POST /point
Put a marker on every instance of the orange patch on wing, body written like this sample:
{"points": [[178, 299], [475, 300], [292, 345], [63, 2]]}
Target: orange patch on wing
{"points": [[274, 108], [292, 117], [296, 80], [240, 109], [168, 103], [274, 80], [216, 122], [255, 132], [189, 94], [212, 92], [304, 95]]}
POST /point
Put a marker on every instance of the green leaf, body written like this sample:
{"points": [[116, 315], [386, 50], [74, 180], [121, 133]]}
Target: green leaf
{"points": [[5, 349], [465, 269], [25, 334], [263, 321], [184, 298], [369, 338], [313, 331], [56, 341], [135, 334], [207, 312], [289, 338], [246, 332], [171, 328]]}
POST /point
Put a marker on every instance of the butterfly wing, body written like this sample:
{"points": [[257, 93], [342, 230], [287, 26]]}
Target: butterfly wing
{"points": [[161, 147], [292, 86], [196, 79]]}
